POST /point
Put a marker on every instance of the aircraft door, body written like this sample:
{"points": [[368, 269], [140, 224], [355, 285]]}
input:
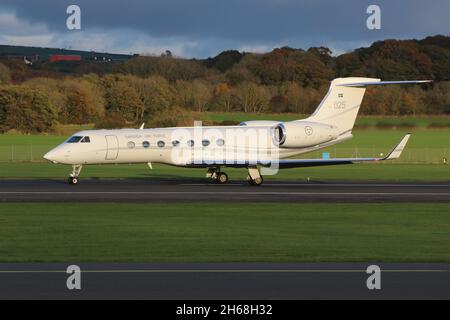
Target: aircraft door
{"points": [[112, 147]]}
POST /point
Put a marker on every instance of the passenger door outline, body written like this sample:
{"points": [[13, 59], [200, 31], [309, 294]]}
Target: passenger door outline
{"points": [[112, 147]]}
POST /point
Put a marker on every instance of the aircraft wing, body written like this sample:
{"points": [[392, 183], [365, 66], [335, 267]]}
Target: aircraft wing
{"points": [[295, 163], [298, 163]]}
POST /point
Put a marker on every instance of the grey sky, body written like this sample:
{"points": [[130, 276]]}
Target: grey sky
{"points": [[201, 28]]}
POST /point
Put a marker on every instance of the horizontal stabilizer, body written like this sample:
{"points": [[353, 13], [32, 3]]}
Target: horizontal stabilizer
{"points": [[377, 83]]}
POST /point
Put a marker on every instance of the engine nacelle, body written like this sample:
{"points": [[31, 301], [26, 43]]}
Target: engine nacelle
{"points": [[302, 134]]}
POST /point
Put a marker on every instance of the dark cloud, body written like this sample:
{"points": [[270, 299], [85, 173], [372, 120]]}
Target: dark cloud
{"points": [[240, 23]]}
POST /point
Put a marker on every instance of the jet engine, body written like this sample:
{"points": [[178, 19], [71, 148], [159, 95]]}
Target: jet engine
{"points": [[302, 134]]}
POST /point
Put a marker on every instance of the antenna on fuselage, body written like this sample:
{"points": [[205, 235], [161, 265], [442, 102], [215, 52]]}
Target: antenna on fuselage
{"points": [[142, 126]]}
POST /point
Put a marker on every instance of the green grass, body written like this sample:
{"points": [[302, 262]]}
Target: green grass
{"points": [[418, 121], [425, 146], [74, 232], [375, 172]]}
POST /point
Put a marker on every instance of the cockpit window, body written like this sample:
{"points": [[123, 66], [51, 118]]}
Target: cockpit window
{"points": [[74, 139], [85, 140]]}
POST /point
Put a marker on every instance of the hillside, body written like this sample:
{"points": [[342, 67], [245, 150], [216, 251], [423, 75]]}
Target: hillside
{"points": [[428, 58], [165, 90]]}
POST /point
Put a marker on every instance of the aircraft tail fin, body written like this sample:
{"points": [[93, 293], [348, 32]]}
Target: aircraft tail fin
{"points": [[341, 104]]}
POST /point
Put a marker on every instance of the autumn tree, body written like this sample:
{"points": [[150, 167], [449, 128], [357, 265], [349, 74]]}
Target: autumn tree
{"points": [[25, 109], [123, 99], [83, 102], [155, 93], [251, 97], [194, 95], [223, 97]]}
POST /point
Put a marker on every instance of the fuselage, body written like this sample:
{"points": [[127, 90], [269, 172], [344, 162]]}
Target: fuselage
{"points": [[180, 145]]}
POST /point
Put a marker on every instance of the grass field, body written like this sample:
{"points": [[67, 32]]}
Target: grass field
{"points": [[417, 121], [237, 232], [21, 155], [425, 146], [421, 160]]}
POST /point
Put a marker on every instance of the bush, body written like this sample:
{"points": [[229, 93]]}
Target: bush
{"points": [[112, 120], [400, 125], [174, 117], [439, 125]]}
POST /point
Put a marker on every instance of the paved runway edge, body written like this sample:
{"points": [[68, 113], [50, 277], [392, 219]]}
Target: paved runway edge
{"points": [[140, 190], [209, 281]]}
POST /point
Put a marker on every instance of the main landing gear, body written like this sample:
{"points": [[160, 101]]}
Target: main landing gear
{"points": [[76, 170], [217, 176], [254, 177]]}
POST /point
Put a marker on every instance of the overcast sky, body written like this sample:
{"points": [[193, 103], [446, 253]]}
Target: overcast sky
{"points": [[202, 28]]}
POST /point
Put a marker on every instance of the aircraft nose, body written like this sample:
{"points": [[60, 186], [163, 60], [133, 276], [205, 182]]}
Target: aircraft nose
{"points": [[51, 156]]}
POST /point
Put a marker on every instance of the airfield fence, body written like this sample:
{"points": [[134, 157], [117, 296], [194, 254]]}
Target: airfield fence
{"points": [[34, 153]]}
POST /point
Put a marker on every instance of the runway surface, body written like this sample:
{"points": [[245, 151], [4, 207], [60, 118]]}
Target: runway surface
{"points": [[226, 281], [142, 190]]}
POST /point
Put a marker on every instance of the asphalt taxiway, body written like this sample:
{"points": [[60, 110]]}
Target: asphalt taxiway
{"points": [[142, 190]]}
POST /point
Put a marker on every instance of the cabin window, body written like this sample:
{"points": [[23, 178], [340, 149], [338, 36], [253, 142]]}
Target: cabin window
{"points": [[190, 143], [131, 144], [175, 143], [74, 139], [161, 144], [85, 140], [220, 142], [205, 142], [146, 144]]}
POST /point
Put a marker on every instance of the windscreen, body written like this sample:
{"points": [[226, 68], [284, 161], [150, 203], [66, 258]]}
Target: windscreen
{"points": [[74, 139]]}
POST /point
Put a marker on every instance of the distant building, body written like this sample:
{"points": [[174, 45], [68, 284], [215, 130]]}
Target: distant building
{"points": [[63, 57]]}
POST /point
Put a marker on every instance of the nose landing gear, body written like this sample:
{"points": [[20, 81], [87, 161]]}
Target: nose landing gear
{"points": [[76, 170]]}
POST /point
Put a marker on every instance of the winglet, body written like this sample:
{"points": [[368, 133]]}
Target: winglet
{"points": [[142, 126], [397, 151]]}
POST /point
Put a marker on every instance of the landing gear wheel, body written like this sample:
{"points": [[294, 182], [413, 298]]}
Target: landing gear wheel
{"points": [[254, 182], [222, 178], [73, 180], [258, 181], [76, 170]]}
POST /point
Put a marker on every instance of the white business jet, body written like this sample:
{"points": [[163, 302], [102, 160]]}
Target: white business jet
{"points": [[262, 147]]}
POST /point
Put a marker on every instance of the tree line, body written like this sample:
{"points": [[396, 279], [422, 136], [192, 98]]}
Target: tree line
{"points": [[166, 91]]}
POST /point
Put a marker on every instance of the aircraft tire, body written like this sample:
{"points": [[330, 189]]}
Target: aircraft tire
{"points": [[73, 180], [222, 178]]}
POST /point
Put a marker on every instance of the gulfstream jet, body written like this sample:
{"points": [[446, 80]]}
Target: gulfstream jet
{"points": [[262, 147]]}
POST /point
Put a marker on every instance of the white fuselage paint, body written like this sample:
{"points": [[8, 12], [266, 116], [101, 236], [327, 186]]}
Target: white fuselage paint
{"points": [[116, 146]]}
